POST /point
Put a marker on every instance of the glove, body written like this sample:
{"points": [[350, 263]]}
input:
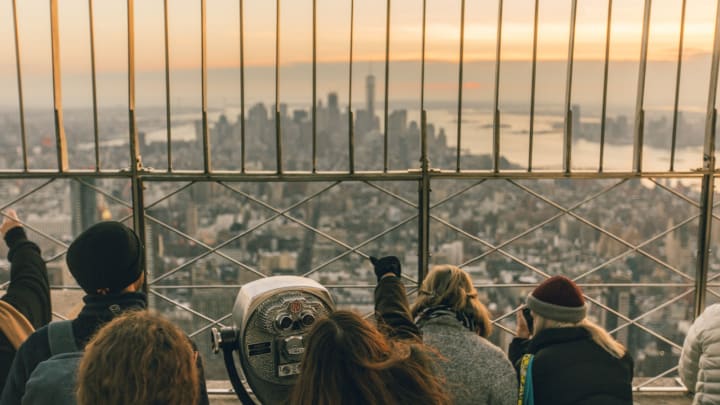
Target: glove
{"points": [[384, 265]]}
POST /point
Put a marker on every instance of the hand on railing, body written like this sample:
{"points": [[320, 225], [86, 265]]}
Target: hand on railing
{"points": [[10, 221]]}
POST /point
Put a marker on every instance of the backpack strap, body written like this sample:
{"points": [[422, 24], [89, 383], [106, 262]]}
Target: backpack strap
{"points": [[526, 396], [61, 337]]}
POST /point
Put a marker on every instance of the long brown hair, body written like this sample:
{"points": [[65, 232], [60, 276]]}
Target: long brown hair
{"points": [[138, 358], [450, 286], [348, 361]]}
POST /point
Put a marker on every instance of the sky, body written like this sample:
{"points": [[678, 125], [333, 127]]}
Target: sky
{"points": [[333, 36]]}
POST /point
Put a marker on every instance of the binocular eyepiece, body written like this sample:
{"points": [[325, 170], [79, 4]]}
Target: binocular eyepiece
{"points": [[271, 319]]}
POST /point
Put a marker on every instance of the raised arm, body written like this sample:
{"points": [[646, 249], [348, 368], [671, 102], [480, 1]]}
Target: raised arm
{"points": [[29, 290], [392, 310]]}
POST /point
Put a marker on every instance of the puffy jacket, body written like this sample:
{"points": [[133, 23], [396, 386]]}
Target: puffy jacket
{"points": [[700, 358]]}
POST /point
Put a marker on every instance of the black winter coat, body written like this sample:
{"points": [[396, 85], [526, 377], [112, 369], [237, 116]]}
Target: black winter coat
{"points": [[28, 290], [569, 368]]}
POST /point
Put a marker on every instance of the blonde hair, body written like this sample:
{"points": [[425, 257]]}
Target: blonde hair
{"points": [[599, 335], [449, 285], [138, 358]]}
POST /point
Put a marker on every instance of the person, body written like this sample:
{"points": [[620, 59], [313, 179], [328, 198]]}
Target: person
{"points": [[348, 360], [106, 261], [26, 304], [138, 358], [455, 323], [569, 359], [699, 365]]}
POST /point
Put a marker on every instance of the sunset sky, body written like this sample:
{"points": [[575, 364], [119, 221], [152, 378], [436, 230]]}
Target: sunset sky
{"points": [[443, 30]]}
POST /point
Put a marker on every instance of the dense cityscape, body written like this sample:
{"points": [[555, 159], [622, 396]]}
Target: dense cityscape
{"points": [[499, 230]]}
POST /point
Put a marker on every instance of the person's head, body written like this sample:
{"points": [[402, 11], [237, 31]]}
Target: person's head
{"points": [[106, 259], [559, 303], [348, 361], [138, 358], [450, 286]]}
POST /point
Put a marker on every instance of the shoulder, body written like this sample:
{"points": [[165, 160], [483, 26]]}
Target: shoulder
{"points": [[35, 349]]}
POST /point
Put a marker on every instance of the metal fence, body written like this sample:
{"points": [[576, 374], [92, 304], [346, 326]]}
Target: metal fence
{"points": [[638, 241]]}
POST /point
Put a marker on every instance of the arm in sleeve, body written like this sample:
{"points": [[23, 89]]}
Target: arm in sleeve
{"points": [[392, 310], [518, 347], [29, 290], [690, 356]]}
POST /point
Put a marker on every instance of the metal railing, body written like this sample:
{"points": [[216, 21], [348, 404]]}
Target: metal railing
{"points": [[426, 214]]}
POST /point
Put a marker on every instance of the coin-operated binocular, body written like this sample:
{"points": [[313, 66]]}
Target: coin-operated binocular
{"points": [[271, 319]]}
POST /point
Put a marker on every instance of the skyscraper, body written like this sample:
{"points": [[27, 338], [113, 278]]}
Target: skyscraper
{"points": [[370, 96]]}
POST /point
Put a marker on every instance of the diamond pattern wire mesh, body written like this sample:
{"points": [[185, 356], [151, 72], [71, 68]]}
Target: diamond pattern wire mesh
{"points": [[637, 272]]}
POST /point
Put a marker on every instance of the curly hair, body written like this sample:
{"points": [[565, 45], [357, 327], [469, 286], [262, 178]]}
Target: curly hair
{"points": [[349, 361], [138, 358], [448, 285]]}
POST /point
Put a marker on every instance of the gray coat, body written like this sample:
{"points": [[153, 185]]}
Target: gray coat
{"points": [[476, 371]]}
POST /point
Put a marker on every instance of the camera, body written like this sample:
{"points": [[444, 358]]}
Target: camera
{"points": [[528, 319], [271, 319]]}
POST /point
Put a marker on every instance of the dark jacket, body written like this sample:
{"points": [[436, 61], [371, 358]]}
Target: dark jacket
{"points": [[570, 368], [97, 311], [28, 290]]}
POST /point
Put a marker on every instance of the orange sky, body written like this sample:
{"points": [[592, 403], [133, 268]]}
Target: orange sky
{"points": [[333, 32]]}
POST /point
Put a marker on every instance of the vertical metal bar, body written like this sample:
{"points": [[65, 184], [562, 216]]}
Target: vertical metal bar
{"points": [[60, 140], [677, 86], [21, 103], [242, 87], [135, 158], [203, 67], [422, 59], [278, 133], [424, 204], [168, 107], [314, 84], [603, 114], [351, 129], [532, 86], [496, 108], [567, 141], [424, 189], [94, 86], [387, 85], [639, 104], [460, 84], [705, 231]]}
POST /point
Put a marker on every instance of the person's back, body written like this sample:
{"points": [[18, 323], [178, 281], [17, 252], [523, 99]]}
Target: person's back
{"points": [[138, 358], [569, 360], [570, 368], [455, 323], [475, 370], [26, 304], [106, 261], [699, 366]]}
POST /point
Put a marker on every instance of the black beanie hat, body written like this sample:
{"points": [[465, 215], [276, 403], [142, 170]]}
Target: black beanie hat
{"points": [[558, 298], [105, 256]]}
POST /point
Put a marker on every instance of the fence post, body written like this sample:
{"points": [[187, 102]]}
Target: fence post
{"points": [[708, 185]]}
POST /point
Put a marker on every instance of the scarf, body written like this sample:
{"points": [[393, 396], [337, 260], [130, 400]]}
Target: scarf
{"points": [[14, 325], [467, 320]]}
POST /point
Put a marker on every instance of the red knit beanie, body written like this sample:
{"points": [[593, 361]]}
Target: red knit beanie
{"points": [[558, 298]]}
